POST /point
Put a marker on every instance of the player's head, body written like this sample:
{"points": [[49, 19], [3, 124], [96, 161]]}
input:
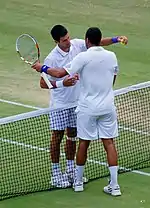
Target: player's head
{"points": [[93, 37], [61, 36]]}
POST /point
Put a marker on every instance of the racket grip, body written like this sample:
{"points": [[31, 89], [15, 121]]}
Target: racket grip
{"points": [[44, 76]]}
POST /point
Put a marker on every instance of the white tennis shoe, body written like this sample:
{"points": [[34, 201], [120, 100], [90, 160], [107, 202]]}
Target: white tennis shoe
{"points": [[114, 191], [60, 181], [78, 187], [71, 176]]}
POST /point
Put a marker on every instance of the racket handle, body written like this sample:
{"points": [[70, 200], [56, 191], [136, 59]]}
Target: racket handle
{"points": [[46, 80]]}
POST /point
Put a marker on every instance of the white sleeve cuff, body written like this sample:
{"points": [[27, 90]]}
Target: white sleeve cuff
{"points": [[59, 84]]}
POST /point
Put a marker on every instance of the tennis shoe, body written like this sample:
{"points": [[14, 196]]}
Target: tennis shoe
{"points": [[112, 190], [78, 187], [60, 181], [71, 176]]}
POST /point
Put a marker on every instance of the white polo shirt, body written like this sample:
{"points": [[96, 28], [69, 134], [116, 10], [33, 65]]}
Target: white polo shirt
{"points": [[96, 68], [65, 97]]}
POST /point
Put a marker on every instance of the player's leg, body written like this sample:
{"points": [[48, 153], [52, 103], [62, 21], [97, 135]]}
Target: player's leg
{"points": [[112, 158], [81, 158], [56, 138], [70, 146], [70, 150], [108, 129], [87, 131], [57, 125]]}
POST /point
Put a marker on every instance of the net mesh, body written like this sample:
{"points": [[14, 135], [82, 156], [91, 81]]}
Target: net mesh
{"points": [[25, 140]]}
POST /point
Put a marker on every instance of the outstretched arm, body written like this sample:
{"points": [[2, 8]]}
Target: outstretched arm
{"points": [[54, 72], [66, 82], [76, 65], [109, 41]]}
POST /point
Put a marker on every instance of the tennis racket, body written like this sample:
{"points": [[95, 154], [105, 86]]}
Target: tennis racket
{"points": [[29, 52]]}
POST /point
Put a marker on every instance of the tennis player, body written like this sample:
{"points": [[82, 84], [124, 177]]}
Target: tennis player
{"points": [[65, 98]]}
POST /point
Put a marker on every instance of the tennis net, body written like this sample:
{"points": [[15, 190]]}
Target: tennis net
{"points": [[25, 153]]}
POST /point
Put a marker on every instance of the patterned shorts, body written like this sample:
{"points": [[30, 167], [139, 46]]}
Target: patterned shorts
{"points": [[62, 119]]}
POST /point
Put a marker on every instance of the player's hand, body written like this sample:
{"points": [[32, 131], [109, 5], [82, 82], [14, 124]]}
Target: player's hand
{"points": [[76, 76], [70, 80], [123, 40], [37, 66]]}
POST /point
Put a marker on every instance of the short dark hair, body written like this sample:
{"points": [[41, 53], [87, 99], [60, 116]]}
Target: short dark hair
{"points": [[94, 35], [58, 31]]}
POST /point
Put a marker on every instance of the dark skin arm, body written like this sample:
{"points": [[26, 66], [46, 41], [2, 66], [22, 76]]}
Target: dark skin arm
{"points": [[43, 85], [108, 41], [54, 72], [68, 81], [57, 72]]}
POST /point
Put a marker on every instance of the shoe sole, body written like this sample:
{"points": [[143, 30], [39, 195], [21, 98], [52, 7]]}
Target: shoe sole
{"points": [[60, 186], [78, 189], [116, 194], [110, 193]]}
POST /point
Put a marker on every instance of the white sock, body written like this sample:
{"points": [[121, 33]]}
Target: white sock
{"points": [[56, 169], [79, 173], [70, 165], [113, 175]]}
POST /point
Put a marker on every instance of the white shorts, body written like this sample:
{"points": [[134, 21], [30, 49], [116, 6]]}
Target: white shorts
{"points": [[97, 127]]}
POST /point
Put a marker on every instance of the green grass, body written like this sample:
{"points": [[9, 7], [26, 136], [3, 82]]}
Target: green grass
{"points": [[10, 110], [134, 195], [20, 84]]}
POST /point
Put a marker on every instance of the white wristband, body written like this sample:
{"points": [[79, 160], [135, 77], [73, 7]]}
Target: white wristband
{"points": [[59, 84]]}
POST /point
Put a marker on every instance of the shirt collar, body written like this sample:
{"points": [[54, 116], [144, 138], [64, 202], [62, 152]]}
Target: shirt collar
{"points": [[63, 53], [96, 48]]}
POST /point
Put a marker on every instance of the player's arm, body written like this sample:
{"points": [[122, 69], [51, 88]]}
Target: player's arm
{"points": [[54, 72], [48, 61], [113, 40], [76, 65], [43, 84], [68, 81]]}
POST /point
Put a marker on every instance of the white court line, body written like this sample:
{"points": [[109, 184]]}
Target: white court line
{"points": [[20, 104], [29, 146]]}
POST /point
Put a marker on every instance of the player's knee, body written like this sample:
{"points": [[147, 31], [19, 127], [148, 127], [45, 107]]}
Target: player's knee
{"points": [[83, 145], [108, 143], [57, 134], [71, 132], [56, 138]]}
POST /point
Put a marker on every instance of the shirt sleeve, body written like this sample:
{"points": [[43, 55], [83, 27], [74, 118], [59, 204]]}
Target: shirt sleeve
{"points": [[81, 44], [50, 61], [76, 65]]}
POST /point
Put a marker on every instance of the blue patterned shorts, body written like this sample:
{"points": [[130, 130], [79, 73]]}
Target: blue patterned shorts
{"points": [[62, 119]]}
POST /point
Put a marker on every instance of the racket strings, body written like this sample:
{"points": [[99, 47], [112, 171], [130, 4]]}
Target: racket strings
{"points": [[27, 49]]}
